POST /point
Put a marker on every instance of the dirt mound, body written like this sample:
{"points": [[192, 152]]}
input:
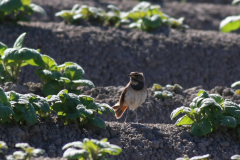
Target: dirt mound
{"points": [[197, 15], [192, 58]]}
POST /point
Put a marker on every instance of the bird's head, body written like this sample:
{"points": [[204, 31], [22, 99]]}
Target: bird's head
{"points": [[136, 77]]}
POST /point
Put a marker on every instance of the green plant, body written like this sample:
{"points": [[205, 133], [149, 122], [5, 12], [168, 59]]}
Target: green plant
{"points": [[204, 157], [21, 107], [79, 109], [65, 76], [26, 153], [236, 157], [145, 16], [156, 87], [90, 149], [17, 10], [230, 23], [207, 112], [163, 94], [148, 17], [12, 59], [3, 145], [83, 12]]}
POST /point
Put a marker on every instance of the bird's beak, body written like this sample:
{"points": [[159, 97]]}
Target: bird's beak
{"points": [[129, 75]]}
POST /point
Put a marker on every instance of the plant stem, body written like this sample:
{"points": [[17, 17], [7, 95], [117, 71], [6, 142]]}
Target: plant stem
{"points": [[18, 69], [4, 66]]}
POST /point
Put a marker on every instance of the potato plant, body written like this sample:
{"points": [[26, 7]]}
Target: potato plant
{"points": [[65, 76], [79, 109], [230, 23], [3, 145], [204, 157], [148, 17], [143, 16], [12, 59], [237, 157], [27, 152], [164, 94], [207, 112], [22, 107], [18, 10], [90, 149]]}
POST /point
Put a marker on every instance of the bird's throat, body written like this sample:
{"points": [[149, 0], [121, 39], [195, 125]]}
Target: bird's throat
{"points": [[137, 86]]}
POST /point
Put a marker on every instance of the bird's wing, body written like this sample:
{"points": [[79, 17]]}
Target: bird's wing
{"points": [[122, 97]]}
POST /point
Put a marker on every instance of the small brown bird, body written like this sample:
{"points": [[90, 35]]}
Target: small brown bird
{"points": [[133, 95]]}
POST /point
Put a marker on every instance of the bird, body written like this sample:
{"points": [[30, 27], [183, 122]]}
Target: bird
{"points": [[133, 95]]}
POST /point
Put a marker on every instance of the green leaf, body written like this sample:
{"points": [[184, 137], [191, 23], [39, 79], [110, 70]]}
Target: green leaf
{"points": [[49, 62], [210, 103], [42, 105], [37, 152], [235, 84], [156, 87], [19, 155], [94, 106], [47, 74], [19, 42], [105, 105], [39, 9], [3, 97], [26, 2], [84, 82], [142, 6], [113, 150], [201, 128], [136, 15], [20, 107], [51, 88], [3, 145], [22, 145], [3, 47], [72, 153], [203, 157], [114, 8], [234, 2], [31, 56], [9, 5], [97, 122], [203, 94], [86, 100], [5, 111], [231, 108], [30, 114], [235, 157], [228, 121], [73, 72], [57, 107], [219, 99], [184, 120], [230, 23], [17, 98], [151, 22], [76, 144], [177, 111], [83, 112]]}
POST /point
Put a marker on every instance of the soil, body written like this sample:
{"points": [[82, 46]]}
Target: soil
{"points": [[198, 58], [155, 137]]}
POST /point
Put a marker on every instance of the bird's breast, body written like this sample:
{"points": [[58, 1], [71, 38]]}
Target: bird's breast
{"points": [[134, 99]]}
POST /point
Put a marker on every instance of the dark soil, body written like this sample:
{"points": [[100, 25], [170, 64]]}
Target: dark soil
{"points": [[206, 59], [150, 139], [188, 58]]}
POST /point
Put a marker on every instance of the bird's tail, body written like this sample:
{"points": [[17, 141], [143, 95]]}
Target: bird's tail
{"points": [[119, 110]]}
